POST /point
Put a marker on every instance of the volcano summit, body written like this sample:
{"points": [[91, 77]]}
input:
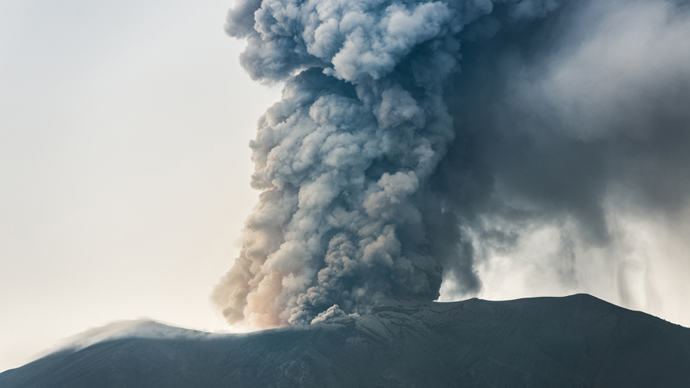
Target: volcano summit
{"points": [[575, 341]]}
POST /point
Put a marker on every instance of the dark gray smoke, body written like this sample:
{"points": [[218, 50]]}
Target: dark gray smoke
{"points": [[416, 139]]}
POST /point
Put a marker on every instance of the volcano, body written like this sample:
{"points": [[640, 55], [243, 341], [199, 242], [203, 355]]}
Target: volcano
{"points": [[574, 341]]}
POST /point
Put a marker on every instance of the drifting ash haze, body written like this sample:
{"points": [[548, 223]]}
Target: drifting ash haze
{"points": [[454, 148]]}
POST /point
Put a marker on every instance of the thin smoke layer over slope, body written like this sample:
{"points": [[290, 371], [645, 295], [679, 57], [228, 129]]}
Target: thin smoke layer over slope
{"points": [[417, 140]]}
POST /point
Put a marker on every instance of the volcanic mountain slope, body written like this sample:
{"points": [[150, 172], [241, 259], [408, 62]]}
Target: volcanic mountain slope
{"points": [[575, 341]]}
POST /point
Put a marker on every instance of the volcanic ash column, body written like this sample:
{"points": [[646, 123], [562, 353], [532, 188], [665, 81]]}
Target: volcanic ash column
{"points": [[342, 159]]}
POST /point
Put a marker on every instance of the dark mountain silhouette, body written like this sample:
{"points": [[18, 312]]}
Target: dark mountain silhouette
{"points": [[575, 341]]}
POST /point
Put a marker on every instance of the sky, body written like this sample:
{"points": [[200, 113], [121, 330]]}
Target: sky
{"points": [[124, 165], [125, 168]]}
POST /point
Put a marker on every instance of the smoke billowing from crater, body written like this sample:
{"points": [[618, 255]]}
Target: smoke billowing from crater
{"points": [[417, 142]]}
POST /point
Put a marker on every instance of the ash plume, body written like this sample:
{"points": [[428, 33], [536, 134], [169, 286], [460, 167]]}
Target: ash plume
{"points": [[416, 139]]}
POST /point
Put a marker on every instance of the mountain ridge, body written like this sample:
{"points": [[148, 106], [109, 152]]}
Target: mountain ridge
{"points": [[573, 341]]}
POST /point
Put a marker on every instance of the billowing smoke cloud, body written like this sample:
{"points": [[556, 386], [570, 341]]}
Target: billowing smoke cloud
{"points": [[416, 141]]}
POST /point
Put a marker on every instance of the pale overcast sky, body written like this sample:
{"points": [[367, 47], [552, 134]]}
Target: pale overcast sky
{"points": [[124, 164]]}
